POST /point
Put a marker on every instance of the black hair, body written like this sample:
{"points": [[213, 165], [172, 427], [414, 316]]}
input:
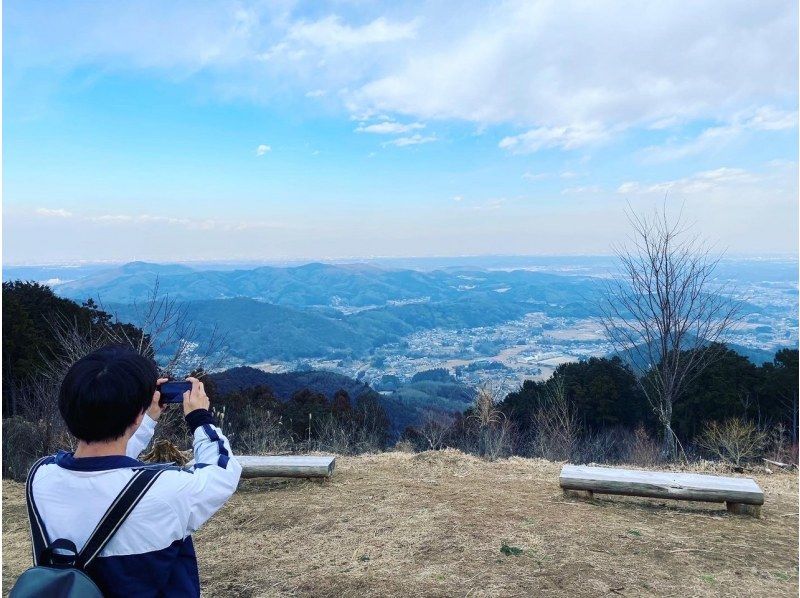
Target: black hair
{"points": [[103, 393]]}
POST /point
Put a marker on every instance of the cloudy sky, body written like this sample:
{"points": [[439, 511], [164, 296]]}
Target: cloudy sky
{"points": [[248, 130]]}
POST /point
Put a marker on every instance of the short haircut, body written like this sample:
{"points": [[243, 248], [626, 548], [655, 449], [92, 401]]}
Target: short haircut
{"points": [[104, 392]]}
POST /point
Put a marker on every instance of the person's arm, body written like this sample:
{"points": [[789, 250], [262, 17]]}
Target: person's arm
{"points": [[216, 472], [141, 437], [144, 433]]}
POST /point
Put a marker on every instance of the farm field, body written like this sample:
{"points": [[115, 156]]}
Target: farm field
{"points": [[448, 524]]}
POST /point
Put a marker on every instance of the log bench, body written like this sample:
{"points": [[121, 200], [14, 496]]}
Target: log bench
{"points": [[741, 495], [287, 466]]}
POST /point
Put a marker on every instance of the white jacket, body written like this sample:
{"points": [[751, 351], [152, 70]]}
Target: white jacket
{"points": [[152, 552]]}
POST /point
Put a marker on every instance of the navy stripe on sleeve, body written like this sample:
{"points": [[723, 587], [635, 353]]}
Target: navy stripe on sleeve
{"points": [[223, 452]]}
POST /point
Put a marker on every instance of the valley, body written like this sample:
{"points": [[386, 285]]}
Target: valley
{"points": [[494, 319]]}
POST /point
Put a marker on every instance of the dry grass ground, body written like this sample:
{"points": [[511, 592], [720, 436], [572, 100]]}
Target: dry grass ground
{"points": [[433, 524]]}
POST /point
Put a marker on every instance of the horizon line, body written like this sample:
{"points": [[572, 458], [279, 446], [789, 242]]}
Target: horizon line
{"points": [[321, 259]]}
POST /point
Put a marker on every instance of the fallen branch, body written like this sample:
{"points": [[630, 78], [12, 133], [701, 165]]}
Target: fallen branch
{"points": [[779, 464]]}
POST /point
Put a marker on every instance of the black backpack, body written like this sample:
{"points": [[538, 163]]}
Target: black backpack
{"points": [[59, 570]]}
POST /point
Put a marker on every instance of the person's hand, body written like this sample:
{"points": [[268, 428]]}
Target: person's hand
{"points": [[195, 398], [156, 408]]}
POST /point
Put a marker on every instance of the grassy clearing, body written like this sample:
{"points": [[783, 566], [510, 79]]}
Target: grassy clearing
{"points": [[448, 524]]}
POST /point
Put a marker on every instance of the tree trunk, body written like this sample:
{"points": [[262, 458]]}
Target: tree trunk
{"points": [[670, 451]]}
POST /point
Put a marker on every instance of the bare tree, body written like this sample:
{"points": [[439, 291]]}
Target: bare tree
{"points": [[166, 330], [162, 329], [435, 428], [666, 311]]}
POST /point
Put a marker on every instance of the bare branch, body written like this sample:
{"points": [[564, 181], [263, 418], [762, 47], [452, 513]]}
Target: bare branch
{"points": [[665, 312]]}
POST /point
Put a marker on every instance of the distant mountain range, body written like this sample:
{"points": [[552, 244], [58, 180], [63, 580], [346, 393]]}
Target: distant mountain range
{"points": [[353, 286], [320, 310], [357, 318], [348, 310]]}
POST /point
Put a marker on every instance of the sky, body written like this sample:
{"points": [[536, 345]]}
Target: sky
{"points": [[180, 131]]}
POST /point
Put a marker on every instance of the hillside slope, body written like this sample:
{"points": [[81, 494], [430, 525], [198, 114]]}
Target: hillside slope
{"points": [[325, 284], [404, 407], [284, 385], [432, 524]]}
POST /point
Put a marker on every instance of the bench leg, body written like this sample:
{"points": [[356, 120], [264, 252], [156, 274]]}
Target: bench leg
{"points": [[736, 508], [578, 493]]}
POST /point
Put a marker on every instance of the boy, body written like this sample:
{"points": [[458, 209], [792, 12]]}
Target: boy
{"points": [[110, 403]]}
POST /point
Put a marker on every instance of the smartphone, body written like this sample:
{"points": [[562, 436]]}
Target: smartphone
{"points": [[172, 391]]}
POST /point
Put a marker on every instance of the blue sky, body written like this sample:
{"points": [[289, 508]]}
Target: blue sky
{"points": [[262, 130]]}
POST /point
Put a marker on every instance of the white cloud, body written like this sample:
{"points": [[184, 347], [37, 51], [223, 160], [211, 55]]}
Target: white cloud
{"points": [[327, 46], [701, 182], [55, 213], [582, 189], [111, 218], [734, 208], [560, 64], [149, 220], [491, 204], [664, 123], [176, 37], [415, 139], [332, 32], [535, 176], [629, 187], [315, 93], [548, 67], [488, 205], [262, 149], [389, 128], [568, 138], [766, 118]]}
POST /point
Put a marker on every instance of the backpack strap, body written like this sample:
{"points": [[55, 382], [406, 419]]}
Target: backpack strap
{"points": [[39, 538], [118, 512]]}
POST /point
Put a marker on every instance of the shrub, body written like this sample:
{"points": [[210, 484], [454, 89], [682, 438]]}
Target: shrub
{"points": [[733, 441], [404, 446], [555, 423], [21, 447], [779, 445], [493, 430], [643, 448], [25, 440], [435, 428]]}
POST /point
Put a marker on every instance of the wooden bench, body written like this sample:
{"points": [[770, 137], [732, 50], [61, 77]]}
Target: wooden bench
{"points": [[740, 495], [287, 466]]}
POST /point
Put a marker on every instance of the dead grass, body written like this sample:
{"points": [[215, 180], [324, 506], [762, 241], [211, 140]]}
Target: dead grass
{"points": [[433, 524]]}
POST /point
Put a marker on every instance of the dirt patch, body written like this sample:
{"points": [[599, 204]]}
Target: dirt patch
{"points": [[448, 524]]}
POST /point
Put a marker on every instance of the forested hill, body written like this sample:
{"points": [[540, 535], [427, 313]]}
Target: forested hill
{"points": [[359, 312], [284, 385], [353, 285], [406, 405], [258, 331]]}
